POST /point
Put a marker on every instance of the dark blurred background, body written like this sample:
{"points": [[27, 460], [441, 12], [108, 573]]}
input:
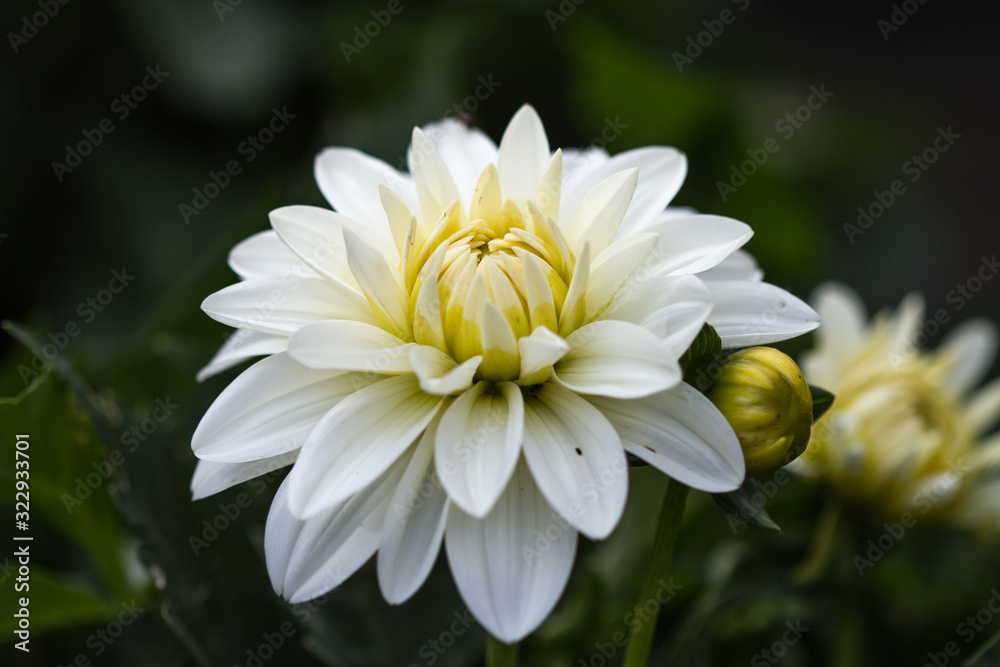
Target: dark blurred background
{"points": [[199, 79]]}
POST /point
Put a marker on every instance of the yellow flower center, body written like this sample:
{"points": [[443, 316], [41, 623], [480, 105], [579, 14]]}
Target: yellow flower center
{"points": [[499, 271]]}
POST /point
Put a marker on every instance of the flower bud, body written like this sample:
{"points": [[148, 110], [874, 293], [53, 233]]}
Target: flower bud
{"points": [[763, 396]]}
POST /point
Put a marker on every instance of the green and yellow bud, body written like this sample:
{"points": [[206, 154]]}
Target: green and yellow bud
{"points": [[763, 396]]}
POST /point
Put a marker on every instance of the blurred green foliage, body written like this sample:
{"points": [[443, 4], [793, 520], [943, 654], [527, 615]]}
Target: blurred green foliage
{"points": [[607, 65]]}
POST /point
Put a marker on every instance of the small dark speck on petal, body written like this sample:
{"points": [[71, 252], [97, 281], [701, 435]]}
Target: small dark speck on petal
{"points": [[579, 452]]}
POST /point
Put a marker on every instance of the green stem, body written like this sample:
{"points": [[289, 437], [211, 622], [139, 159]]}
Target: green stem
{"points": [[671, 513], [499, 654], [821, 548]]}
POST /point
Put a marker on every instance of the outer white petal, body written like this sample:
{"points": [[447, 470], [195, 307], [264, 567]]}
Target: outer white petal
{"points": [[615, 268], [242, 345], [439, 374], [466, 152], [265, 255], [349, 180], [681, 433], [523, 154], [843, 317], [983, 410], [436, 188], [278, 307], [696, 243], [613, 358], [352, 346], [661, 173], [973, 347], [672, 307], [904, 325], [308, 558], [740, 265], [478, 443], [509, 577], [316, 235], [269, 410], [211, 477], [576, 458], [357, 441], [748, 313], [414, 526], [600, 214]]}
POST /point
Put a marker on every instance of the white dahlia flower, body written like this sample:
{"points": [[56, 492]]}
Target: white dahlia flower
{"points": [[465, 353]]}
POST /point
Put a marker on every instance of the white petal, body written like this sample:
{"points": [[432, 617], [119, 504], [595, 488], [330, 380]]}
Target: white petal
{"points": [[265, 255], [413, 527], [242, 345], [278, 307], [349, 180], [740, 265], [613, 269], [351, 346], [843, 316], [511, 567], [465, 151], [681, 433], [308, 558], [211, 477], [539, 352], [661, 173], [672, 307], [983, 410], [904, 325], [436, 188], [316, 235], [357, 441], [577, 459], [440, 374], [973, 347], [599, 216], [695, 243], [613, 358], [380, 284], [478, 443], [748, 313], [524, 152], [269, 410]]}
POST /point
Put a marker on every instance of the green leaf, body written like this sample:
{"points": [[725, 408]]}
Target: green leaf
{"points": [[56, 602], [822, 400], [747, 504], [70, 473]]}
